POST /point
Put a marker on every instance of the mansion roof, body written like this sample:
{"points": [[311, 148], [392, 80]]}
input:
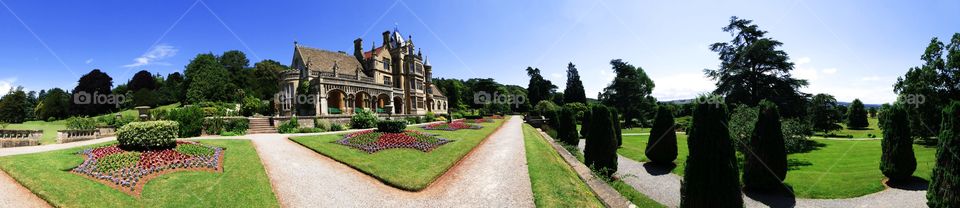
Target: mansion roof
{"points": [[324, 60]]}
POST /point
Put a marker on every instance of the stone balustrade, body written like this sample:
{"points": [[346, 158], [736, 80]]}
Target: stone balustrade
{"points": [[17, 138], [67, 136]]}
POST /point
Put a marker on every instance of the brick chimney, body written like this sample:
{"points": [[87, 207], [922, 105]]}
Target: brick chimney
{"points": [[358, 49]]}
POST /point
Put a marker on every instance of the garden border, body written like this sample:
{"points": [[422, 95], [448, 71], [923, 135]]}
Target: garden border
{"points": [[138, 190]]}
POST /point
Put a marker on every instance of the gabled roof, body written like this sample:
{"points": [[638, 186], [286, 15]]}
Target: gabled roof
{"points": [[324, 60], [376, 51], [436, 91]]}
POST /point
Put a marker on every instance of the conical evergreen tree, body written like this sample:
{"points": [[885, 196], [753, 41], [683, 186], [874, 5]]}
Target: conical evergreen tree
{"points": [[662, 143], [568, 127], [574, 91], [897, 161], [600, 151], [944, 190], [857, 115], [765, 167], [617, 127], [711, 177], [585, 123]]}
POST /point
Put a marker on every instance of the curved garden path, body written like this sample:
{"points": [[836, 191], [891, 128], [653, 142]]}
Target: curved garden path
{"points": [[493, 175], [664, 187]]}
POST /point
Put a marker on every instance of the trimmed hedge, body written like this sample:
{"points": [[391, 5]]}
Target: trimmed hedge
{"points": [[662, 143], [711, 177], [567, 131], [190, 120], [219, 125], [148, 135], [391, 126], [943, 190], [765, 166]]}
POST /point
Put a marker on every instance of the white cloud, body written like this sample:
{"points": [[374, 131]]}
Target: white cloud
{"points": [[806, 73], [155, 54], [556, 75], [88, 61], [6, 85], [829, 71], [802, 60], [681, 86]]}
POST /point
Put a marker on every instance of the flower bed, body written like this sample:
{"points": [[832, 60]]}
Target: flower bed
{"points": [[479, 120], [371, 141], [496, 117], [129, 171], [452, 126]]}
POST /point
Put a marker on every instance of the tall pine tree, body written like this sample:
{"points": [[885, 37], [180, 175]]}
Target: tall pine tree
{"points": [[574, 92]]}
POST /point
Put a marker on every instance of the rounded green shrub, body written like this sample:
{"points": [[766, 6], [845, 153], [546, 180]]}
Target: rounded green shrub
{"points": [[600, 152], [190, 120], [765, 166], [711, 177], [897, 160], [943, 190], [662, 143], [364, 119], [391, 126], [148, 135]]}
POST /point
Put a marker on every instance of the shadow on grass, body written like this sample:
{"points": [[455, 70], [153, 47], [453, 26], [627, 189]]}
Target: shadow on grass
{"points": [[805, 146], [794, 164], [659, 169], [774, 198], [912, 184]]}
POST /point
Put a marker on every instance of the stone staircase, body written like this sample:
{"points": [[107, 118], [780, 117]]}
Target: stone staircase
{"points": [[261, 126]]}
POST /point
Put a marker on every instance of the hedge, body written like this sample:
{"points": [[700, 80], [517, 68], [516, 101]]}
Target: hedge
{"points": [[148, 135], [391, 126]]}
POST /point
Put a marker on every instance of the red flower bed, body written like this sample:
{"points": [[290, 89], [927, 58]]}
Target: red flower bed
{"points": [[128, 171], [480, 120], [371, 141], [452, 126]]}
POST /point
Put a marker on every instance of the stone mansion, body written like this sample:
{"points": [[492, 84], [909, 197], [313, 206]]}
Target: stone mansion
{"points": [[392, 78]]}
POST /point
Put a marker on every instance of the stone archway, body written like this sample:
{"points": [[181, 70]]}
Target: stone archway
{"points": [[381, 102], [361, 101], [430, 105], [397, 105], [336, 102]]}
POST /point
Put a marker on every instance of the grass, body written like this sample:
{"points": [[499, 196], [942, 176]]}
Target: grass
{"points": [[626, 130], [840, 169], [554, 182], [396, 166], [50, 127], [243, 183], [871, 129]]}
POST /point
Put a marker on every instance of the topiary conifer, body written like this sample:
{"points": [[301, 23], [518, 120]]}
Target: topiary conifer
{"points": [[711, 177], [944, 190], [662, 143], [765, 166]]}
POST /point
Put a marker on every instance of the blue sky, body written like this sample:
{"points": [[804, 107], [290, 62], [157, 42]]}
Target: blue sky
{"points": [[851, 49]]}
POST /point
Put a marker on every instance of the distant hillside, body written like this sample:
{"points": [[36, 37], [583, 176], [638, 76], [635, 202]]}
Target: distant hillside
{"points": [[684, 101]]}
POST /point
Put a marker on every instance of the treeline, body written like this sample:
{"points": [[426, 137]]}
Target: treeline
{"points": [[225, 78]]}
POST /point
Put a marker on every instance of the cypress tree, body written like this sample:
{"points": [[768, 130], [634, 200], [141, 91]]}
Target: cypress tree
{"points": [[662, 143], [943, 190], [568, 127], [765, 167], [711, 177], [600, 152], [553, 117], [897, 161], [857, 115]]}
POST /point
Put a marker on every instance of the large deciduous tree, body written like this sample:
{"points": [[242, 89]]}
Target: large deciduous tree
{"points": [[823, 113], [712, 176], [13, 106], [752, 68], [236, 63], [92, 85], [765, 166], [208, 80], [142, 80], [897, 160], [574, 92], [266, 75], [539, 88], [857, 115], [943, 190], [931, 85], [55, 104], [630, 93]]}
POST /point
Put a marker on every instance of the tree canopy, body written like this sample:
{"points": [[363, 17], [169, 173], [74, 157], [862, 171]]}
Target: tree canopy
{"points": [[90, 84], [207, 80], [823, 113], [574, 92], [630, 93], [753, 68], [857, 115], [539, 88]]}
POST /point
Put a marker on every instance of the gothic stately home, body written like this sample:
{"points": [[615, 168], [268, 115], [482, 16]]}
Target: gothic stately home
{"points": [[393, 78]]}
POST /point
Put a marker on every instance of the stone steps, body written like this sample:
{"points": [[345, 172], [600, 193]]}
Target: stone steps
{"points": [[261, 126]]}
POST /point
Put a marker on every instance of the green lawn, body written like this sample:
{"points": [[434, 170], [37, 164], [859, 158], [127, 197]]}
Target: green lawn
{"points": [[407, 169], [872, 129], [840, 169], [243, 183], [627, 130], [49, 129], [554, 182]]}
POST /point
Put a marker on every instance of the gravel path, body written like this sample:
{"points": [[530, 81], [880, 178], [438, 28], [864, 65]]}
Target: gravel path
{"points": [[663, 186], [14, 194], [51, 147], [494, 175]]}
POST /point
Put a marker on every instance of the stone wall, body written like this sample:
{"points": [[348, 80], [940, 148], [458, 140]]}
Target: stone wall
{"points": [[17, 138]]}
